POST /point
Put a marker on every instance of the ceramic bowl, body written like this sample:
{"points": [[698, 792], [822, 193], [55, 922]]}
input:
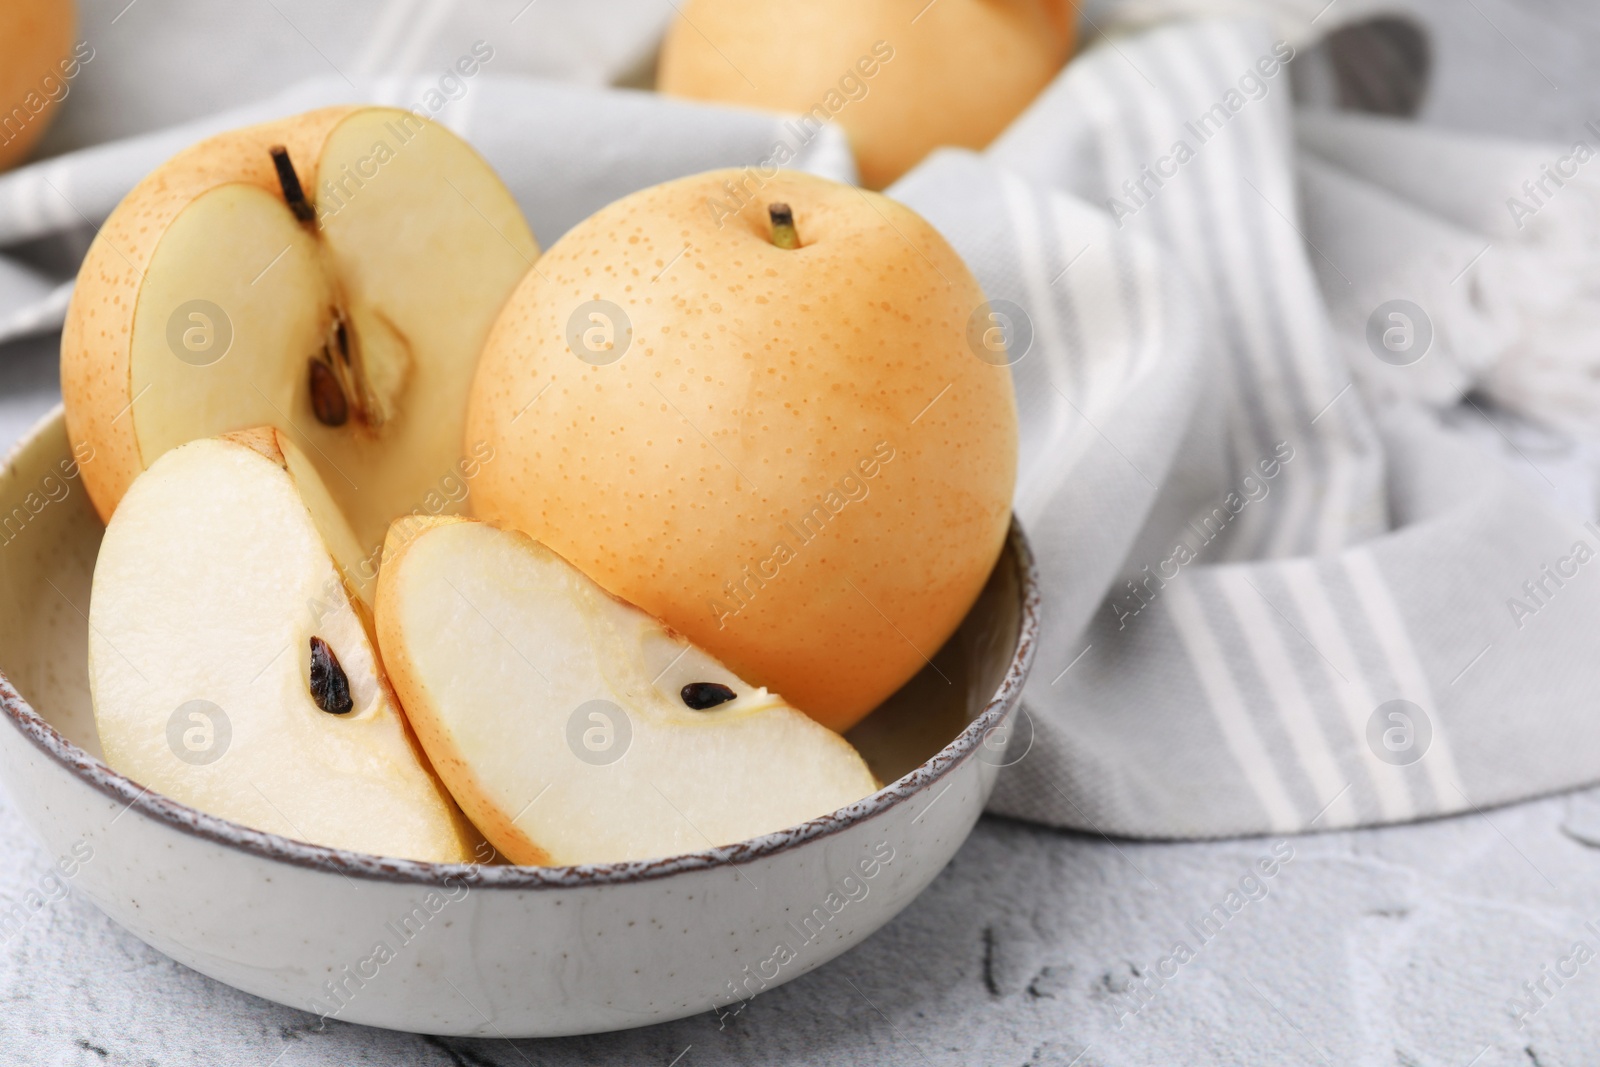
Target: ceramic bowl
{"points": [[494, 951]]}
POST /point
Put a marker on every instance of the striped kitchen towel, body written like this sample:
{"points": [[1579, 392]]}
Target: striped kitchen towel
{"points": [[1275, 600]]}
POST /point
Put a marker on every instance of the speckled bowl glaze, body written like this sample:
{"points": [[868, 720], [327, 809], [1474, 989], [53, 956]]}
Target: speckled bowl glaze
{"points": [[494, 951]]}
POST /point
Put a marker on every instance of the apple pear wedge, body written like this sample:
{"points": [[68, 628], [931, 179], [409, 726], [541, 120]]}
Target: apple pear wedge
{"points": [[231, 665], [573, 727], [333, 274]]}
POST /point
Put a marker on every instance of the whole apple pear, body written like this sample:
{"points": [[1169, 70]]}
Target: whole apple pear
{"points": [[902, 77], [35, 39], [499, 729], [754, 411]]}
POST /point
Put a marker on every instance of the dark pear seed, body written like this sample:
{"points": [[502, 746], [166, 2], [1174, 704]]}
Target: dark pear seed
{"points": [[329, 686], [702, 696], [328, 401]]}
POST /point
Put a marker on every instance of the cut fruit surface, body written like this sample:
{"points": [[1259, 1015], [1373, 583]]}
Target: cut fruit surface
{"points": [[573, 727], [206, 305], [220, 575]]}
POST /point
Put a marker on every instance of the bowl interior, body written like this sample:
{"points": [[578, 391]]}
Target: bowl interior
{"points": [[50, 535]]}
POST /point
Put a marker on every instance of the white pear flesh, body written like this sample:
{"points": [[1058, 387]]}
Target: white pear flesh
{"points": [[417, 241], [494, 644], [215, 573]]}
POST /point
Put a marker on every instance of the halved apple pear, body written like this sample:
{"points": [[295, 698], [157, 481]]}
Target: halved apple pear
{"points": [[573, 727], [231, 665], [333, 274]]}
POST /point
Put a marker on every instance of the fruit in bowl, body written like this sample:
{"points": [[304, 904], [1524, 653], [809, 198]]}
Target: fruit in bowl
{"points": [[707, 541], [728, 528], [483, 949], [902, 77], [315, 733]]}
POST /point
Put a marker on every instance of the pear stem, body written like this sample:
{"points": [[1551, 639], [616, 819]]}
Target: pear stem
{"points": [[289, 181], [784, 234]]}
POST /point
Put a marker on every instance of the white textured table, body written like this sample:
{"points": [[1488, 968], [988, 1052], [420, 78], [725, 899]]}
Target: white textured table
{"points": [[1404, 946]]}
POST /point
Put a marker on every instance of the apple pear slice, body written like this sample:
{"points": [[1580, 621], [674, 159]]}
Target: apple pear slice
{"points": [[573, 727], [230, 662], [333, 274]]}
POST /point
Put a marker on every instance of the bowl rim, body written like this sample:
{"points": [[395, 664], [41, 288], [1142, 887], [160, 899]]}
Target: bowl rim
{"points": [[186, 819]]}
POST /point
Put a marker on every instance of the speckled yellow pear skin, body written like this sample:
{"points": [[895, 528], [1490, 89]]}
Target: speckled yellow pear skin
{"points": [[798, 461]]}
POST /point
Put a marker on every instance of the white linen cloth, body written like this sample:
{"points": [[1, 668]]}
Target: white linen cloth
{"points": [[1255, 535]]}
